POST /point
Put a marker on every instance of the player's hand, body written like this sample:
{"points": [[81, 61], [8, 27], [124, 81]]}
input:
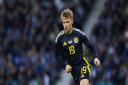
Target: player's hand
{"points": [[97, 62], [68, 68]]}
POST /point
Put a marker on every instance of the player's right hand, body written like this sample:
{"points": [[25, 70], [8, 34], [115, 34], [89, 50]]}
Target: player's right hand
{"points": [[68, 68]]}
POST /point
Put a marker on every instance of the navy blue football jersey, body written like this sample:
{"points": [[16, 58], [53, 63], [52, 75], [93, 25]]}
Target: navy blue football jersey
{"points": [[69, 48]]}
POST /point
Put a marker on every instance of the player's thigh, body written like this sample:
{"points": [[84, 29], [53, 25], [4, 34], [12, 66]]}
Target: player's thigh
{"points": [[84, 82]]}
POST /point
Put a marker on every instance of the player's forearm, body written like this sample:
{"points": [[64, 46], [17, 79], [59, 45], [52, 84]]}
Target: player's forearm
{"points": [[96, 55], [94, 51], [60, 61]]}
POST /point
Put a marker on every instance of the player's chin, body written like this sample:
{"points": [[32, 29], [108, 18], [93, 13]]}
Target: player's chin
{"points": [[66, 30], [68, 71]]}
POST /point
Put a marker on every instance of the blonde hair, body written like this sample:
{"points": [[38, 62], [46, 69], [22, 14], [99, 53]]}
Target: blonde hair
{"points": [[67, 13]]}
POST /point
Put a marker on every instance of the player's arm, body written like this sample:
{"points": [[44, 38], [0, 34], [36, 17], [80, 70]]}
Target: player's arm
{"points": [[92, 49], [59, 59]]}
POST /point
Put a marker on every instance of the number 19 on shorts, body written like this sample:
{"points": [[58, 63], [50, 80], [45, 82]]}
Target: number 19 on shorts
{"points": [[71, 50]]}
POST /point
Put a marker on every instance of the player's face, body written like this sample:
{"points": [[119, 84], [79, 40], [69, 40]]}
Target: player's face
{"points": [[67, 23]]}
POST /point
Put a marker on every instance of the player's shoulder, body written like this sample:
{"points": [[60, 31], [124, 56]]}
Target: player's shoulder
{"points": [[59, 35], [79, 31]]}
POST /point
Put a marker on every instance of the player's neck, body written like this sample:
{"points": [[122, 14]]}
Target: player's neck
{"points": [[70, 31]]}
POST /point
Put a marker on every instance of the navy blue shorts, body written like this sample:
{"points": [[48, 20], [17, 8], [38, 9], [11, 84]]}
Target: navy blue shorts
{"points": [[81, 72]]}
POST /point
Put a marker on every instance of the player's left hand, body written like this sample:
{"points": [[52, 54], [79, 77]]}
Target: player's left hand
{"points": [[97, 62]]}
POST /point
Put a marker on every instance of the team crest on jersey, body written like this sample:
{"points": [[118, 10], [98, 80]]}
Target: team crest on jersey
{"points": [[64, 44], [75, 40]]}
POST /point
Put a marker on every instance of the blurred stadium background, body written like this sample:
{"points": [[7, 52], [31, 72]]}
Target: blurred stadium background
{"points": [[27, 33]]}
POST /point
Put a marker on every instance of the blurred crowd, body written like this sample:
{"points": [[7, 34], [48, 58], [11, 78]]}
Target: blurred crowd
{"points": [[110, 35], [27, 33]]}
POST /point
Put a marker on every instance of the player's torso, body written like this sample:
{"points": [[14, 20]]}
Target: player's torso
{"points": [[72, 47]]}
